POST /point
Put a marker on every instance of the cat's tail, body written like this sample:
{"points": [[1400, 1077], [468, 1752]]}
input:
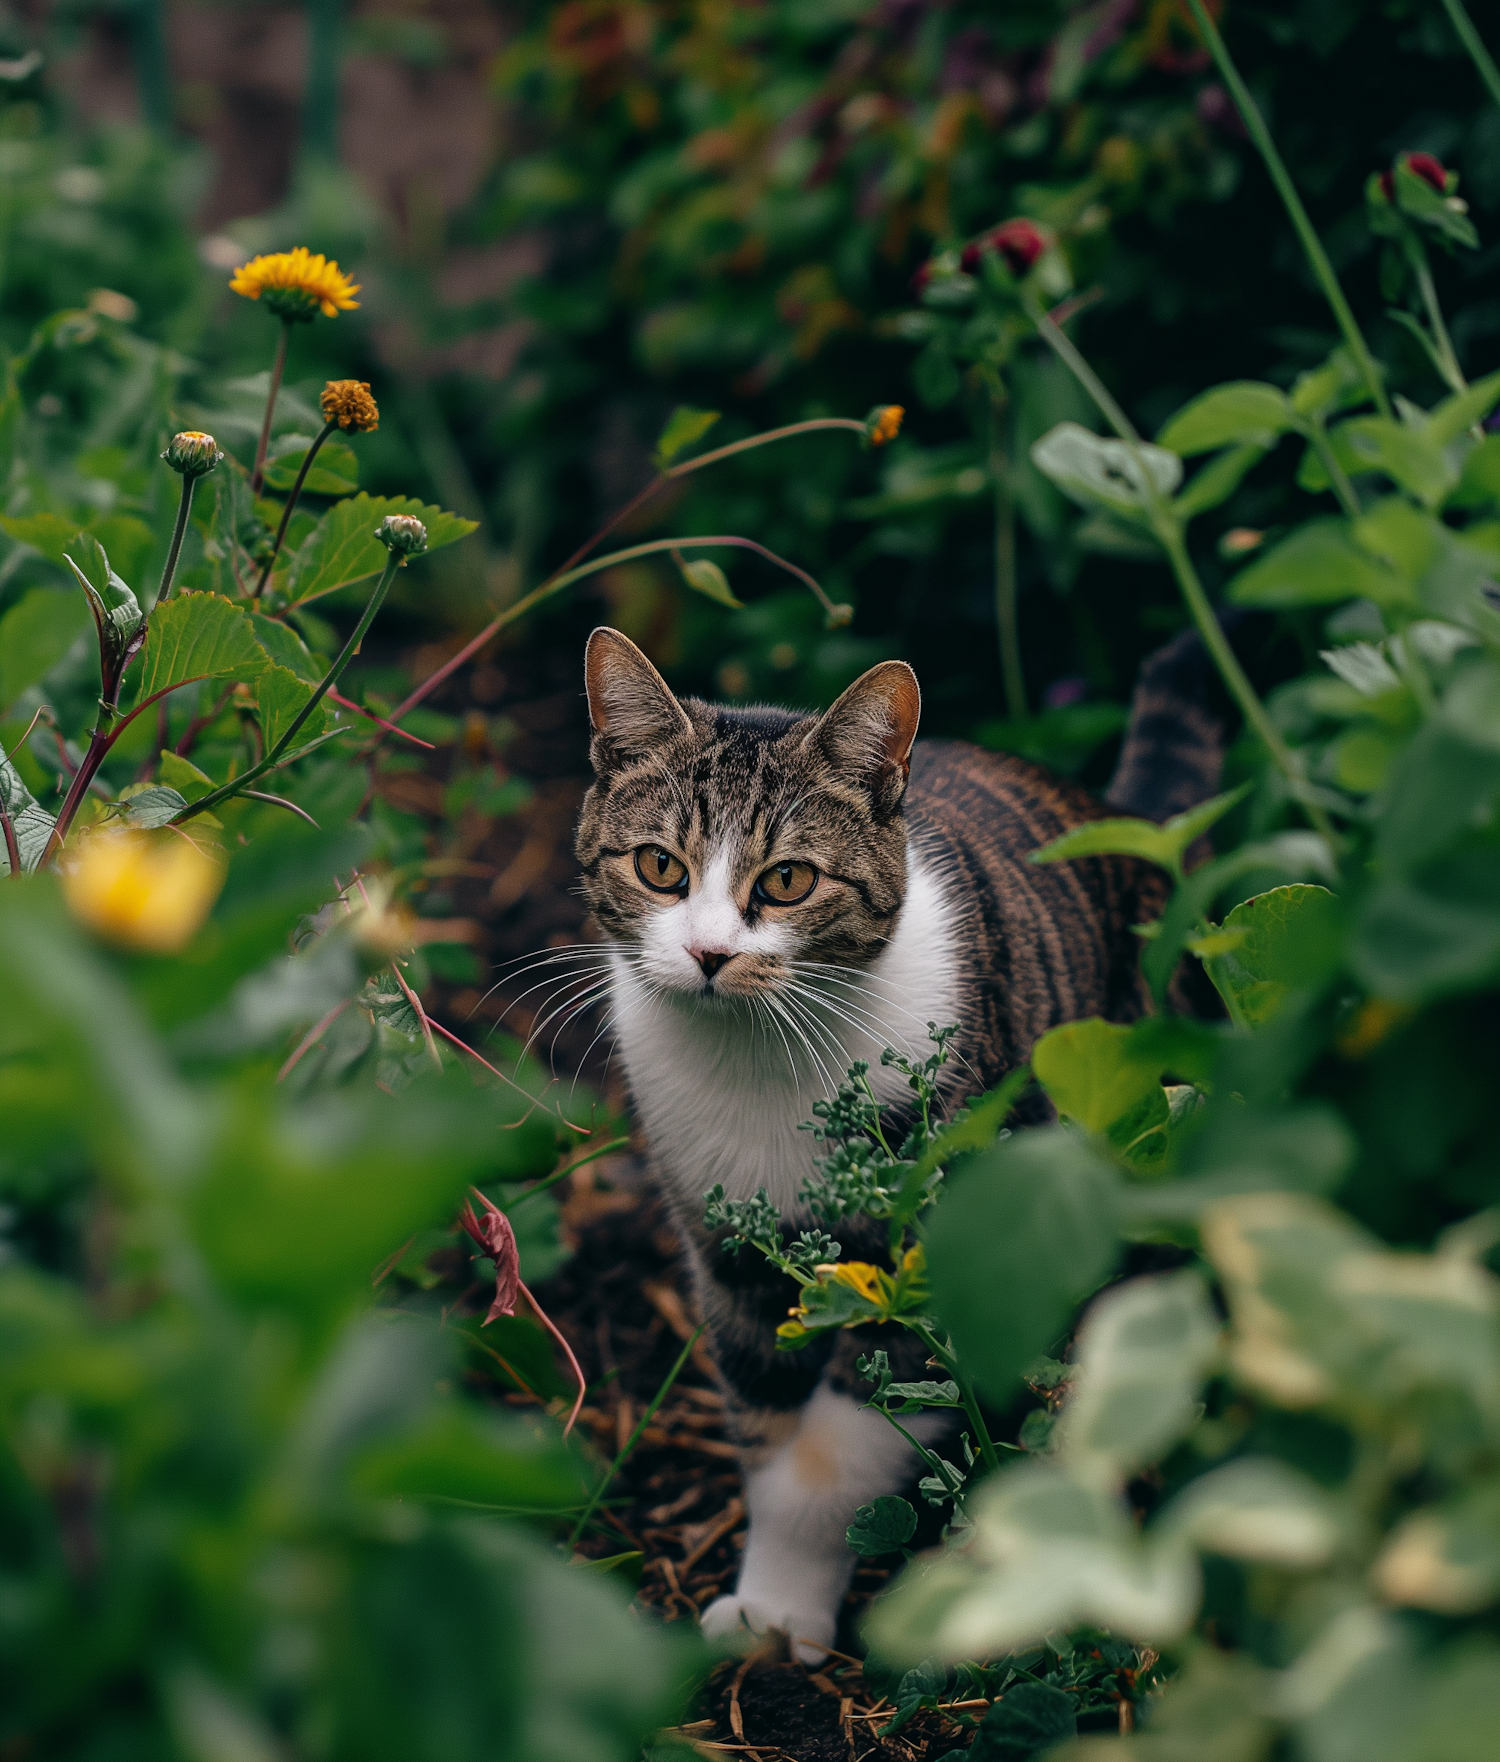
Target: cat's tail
{"points": [[1181, 721]]}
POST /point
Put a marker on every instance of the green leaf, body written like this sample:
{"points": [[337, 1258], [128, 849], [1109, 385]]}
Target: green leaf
{"points": [[152, 805], [117, 614], [1455, 416], [1255, 1509], [31, 824], [1143, 1353], [1029, 1719], [708, 579], [35, 634], [279, 696], [882, 1528], [1318, 565], [1165, 845], [51, 534], [342, 548], [1408, 456], [1097, 1074], [335, 471], [684, 426], [199, 636], [1025, 1230], [1217, 481], [1244, 412], [1230, 1148], [463, 1455], [1106, 473], [184, 776], [1290, 939], [287, 649]]}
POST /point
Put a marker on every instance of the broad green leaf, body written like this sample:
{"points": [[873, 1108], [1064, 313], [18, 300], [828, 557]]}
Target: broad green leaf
{"points": [[342, 548], [1290, 939], [1244, 412], [31, 824], [184, 776], [1097, 1073], [51, 534], [279, 696], [1217, 481], [1479, 484], [35, 634], [1166, 844], [152, 805], [463, 1454], [117, 613], [1229, 1148], [1318, 565], [1255, 1509], [684, 426], [1046, 1554], [709, 579], [199, 636], [1029, 1719], [1335, 385], [1143, 1353], [1024, 1232], [882, 1528], [335, 471], [1408, 456], [287, 649], [1455, 416], [1106, 473]]}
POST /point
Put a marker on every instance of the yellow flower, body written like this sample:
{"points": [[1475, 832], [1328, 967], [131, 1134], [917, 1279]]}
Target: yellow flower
{"points": [[872, 1284], [884, 423], [143, 890], [296, 284], [348, 403]]}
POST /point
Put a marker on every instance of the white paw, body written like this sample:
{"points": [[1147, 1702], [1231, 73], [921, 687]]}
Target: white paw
{"points": [[810, 1631]]}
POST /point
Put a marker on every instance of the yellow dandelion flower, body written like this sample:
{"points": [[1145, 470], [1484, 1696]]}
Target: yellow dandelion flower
{"points": [[871, 1284], [296, 284], [348, 403], [143, 890]]}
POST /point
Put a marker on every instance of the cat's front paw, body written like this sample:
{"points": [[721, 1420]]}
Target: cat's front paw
{"points": [[810, 1630]]}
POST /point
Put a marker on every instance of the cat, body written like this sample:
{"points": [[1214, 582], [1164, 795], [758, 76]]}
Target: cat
{"points": [[782, 894]]}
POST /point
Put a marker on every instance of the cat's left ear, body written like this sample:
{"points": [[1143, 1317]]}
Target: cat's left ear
{"points": [[870, 731]]}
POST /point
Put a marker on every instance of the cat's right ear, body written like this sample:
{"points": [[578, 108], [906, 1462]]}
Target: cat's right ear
{"points": [[631, 710]]}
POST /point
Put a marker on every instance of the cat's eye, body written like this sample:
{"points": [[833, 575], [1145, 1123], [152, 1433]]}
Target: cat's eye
{"points": [[660, 870], [786, 884]]}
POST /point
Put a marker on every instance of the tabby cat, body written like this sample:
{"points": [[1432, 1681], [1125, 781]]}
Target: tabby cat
{"points": [[783, 894]]}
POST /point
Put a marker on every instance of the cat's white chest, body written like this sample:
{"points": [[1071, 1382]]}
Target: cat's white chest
{"points": [[721, 1090]]}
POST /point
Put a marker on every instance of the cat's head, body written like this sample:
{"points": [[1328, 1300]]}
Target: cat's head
{"points": [[732, 851]]}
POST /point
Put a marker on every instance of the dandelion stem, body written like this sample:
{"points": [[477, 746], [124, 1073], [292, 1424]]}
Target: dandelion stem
{"points": [[184, 506], [1444, 357], [1312, 245], [278, 367], [290, 508], [1472, 41]]}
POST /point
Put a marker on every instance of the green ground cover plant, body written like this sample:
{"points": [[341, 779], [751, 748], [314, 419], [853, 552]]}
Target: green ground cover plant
{"points": [[1249, 1508]]}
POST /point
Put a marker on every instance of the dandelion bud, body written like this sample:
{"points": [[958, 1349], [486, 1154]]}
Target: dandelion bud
{"points": [[143, 890], [403, 535], [838, 616], [1019, 242], [348, 403], [192, 453], [883, 423]]}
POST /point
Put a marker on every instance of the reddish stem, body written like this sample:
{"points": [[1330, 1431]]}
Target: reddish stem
{"points": [[310, 1038], [557, 1334], [12, 849]]}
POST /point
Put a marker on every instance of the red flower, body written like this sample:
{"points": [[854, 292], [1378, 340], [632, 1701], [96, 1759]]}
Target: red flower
{"points": [[1422, 165], [495, 1236], [1019, 242]]}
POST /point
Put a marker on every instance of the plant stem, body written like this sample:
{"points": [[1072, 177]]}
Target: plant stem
{"points": [[1168, 530], [174, 551], [290, 508], [326, 684], [278, 367], [988, 1455], [1312, 245], [1342, 488], [1471, 41], [1012, 673], [12, 849], [563, 1173], [1447, 360], [634, 1438]]}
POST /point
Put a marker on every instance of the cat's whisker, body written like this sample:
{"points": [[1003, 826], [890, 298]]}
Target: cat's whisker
{"points": [[829, 1040], [868, 1022], [537, 958], [592, 989], [777, 1018]]}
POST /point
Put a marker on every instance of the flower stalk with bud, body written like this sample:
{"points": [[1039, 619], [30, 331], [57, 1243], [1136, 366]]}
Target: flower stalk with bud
{"points": [[346, 404]]}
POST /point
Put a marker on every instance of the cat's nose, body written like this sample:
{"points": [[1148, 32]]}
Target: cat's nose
{"points": [[710, 959]]}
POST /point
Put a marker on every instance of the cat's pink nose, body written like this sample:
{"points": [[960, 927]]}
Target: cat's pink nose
{"points": [[710, 959]]}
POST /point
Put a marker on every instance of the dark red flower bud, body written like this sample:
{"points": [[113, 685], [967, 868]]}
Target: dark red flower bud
{"points": [[493, 1232], [1019, 242], [1430, 170]]}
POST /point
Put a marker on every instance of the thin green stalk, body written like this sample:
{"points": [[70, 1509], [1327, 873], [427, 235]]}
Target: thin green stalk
{"points": [[290, 508], [1348, 497], [1007, 622], [1312, 245], [184, 506], [563, 1173], [1447, 358], [634, 1438], [1471, 41], [278, 368], [1168, 529], [329, 680], [988, 1454]]}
